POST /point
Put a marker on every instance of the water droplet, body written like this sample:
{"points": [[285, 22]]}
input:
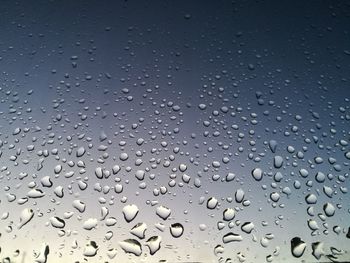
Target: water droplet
{"points": [[80, 152], [312, 224], [57, 222], [202, 106], [140, 174], [247, 227], [239, 195], [275, 196], [304, 173], [230, 177], [257, 174], [219, 249], [278, 161], [231, 237], [212, 203], [320, 177], [89, 224], [297, 247], [123, 156], [317, 250], [131, 246], [163, 212], [27, 214], [186, 178], [35, 193], [228, 214], [90, 249], [328, 191], [79, 205], [273, 145], [182, 167], [46, 181], [43, 254], [329, 209], [176, 230], [311, 199], [278, 177], [139, 230], [153, 243], [130, 212]]}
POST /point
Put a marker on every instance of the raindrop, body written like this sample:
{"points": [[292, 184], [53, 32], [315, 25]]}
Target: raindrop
{"points": [[239, 195], [329, 209], [328, 191], [247, 227], [257, 174], [139, 230], [130, 212], [27, 214], [79, 205], [231, 237], [123, 156], [273, 145], [90, 224], [317, 250], [212, 203], [46, 181], [90, 249], [153, 243], [320, 177], [297, 247], [43, 255], [57, 222], [176, 230], [131, 246], [80, 152], [277, 161], [312, 224], [228, 214], [275, 196], [311, 199], [219, 249], [163, 212]]}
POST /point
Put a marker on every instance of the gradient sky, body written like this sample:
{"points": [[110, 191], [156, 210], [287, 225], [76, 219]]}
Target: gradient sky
{"points": [[206, 85]]}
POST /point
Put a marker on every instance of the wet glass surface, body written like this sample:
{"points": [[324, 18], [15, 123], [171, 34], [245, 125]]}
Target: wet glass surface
{"points": [[174, 131]]}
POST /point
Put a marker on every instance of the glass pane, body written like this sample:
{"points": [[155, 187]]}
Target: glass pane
{"points": [[174, 131]]}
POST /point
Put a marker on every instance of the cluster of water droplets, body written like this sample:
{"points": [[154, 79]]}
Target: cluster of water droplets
{"points": [[138, 155]]}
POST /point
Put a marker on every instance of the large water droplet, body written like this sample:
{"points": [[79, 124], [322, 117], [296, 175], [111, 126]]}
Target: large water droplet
{"points": [[277, 161], [329, 209], [26, 215], [153, 243], [130, 212], [163, 212], [231, 237], [131, 246], [317, 250], [228, 214], [57, 222], [139, 230], [297, 247], [257, 174], [212, 203], [176, 230], [247, 227], [90, 249]]}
